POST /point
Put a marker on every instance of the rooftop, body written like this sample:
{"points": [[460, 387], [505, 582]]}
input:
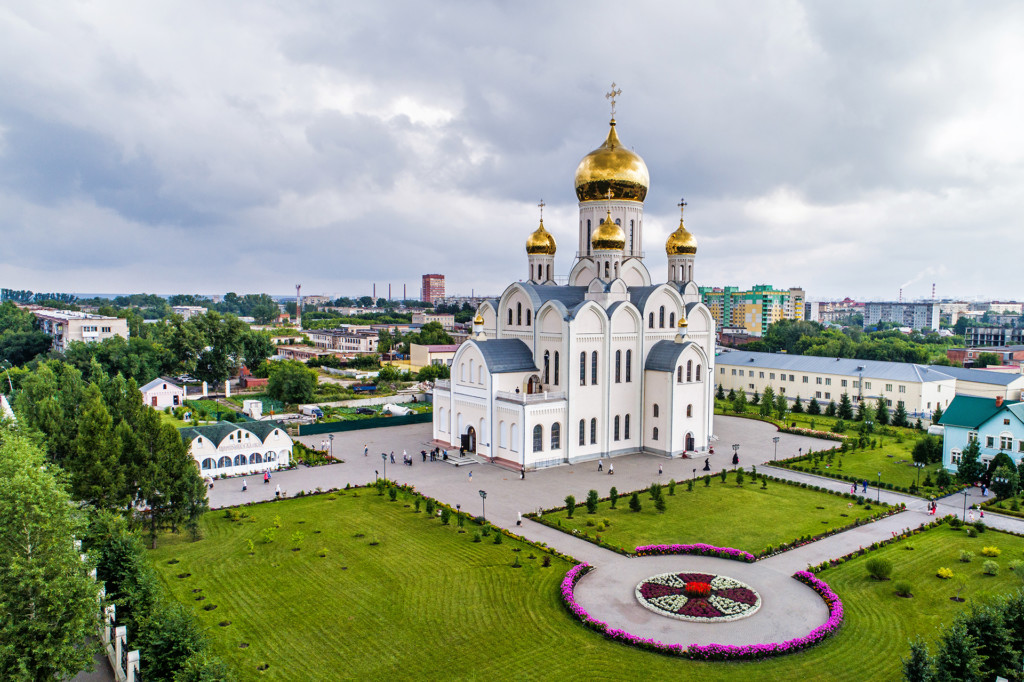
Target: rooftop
{"points": [[874, 369]]}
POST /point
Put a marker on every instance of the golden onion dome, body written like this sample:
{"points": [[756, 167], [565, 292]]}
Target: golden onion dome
{"points": [[608, 236], [479, 319], [612, 167], [541, 242], [682, 320], [681, 241]]}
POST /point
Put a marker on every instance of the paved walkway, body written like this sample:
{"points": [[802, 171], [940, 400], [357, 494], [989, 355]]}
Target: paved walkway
{"points": [[607, 592]]}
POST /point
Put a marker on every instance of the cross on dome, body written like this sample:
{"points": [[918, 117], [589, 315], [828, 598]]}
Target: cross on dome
{"points": [[611, 96], [541, 205], [608, 195], [682, 206]]}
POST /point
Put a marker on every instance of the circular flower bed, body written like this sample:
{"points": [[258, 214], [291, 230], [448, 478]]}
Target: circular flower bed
{"points": [[700, 597]]}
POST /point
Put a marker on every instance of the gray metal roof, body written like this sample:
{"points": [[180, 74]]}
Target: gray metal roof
{"points": [[506, 355], [874, 369], [542, 293], [156, 382], [638, 295], [664, 355], [981, 376]]}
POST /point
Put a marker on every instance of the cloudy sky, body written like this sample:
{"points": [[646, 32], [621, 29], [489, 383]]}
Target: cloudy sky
{"points": [[848, 148]]}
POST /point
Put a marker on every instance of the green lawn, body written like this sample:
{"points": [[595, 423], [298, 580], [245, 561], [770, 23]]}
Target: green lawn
{"points": [[725, 514], [428, 603]]}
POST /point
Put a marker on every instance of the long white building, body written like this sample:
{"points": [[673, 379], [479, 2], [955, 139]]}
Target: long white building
{"points": [[609, 363]]}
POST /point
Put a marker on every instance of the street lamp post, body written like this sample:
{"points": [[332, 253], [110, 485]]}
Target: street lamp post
{"points": [[458, 512], [695, 473], [331, 438], [384, 458], [879, 487], [483, 504], [965, 506], [775, 440]]}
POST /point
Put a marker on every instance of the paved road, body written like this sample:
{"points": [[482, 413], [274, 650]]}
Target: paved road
{"points": [[608, 591]]}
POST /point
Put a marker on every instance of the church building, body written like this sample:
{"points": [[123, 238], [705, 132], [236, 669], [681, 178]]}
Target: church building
{"points": [[608, 363]]}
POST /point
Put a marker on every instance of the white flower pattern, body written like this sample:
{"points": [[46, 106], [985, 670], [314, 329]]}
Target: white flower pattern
{"points": [[670, 604]]}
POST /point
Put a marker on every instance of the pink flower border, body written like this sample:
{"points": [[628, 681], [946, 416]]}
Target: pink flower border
{"points": [[711, 652]]}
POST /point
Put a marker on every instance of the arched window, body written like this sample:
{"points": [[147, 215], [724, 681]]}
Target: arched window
{"points": [[583, 432], [650, 319], [556, 436], [697, 374], [661, 317], [538, 438], [615, 428], [625, 427], [593, 368], [547, 367], [519, 313], [472, 366], [528, 313], [672, 320], [510, 316], [549, 272], [556, 368], [629, 366], [689, 370], [593, 431], [618, 222], [210, 464], [655, 409], [502, 434], [480, 375], [255, 458], [583, 368], [241, 460], [588, 237], [654, 435], [679, 374], [513, 437], [689, 410], [223, 462], [442, 425], [540, 270], [607, 270], [618, 366]]}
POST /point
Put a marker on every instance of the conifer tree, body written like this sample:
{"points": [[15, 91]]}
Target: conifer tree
{"points": [[882, 411], [845, 407]]}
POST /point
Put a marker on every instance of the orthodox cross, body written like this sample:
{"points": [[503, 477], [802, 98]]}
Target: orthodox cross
{"points": [[608, 195], [682, 206], [611, 96], [541, 205]]}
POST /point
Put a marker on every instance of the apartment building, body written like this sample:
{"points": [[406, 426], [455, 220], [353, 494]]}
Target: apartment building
{"points": [[66, 326]]}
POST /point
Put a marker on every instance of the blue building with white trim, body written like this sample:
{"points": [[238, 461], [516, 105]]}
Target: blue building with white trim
{"points": [[997, 425]]}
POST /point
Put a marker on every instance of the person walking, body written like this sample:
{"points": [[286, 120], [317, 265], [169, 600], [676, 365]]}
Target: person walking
{"points": [[970, 516], [471, 475], [853, 489], [522, 473], [600, 466], [244, 486], [611, 468], [659, 470], [392, 456], [266, 478], [519, 519], [277, 491], [366, 450]]}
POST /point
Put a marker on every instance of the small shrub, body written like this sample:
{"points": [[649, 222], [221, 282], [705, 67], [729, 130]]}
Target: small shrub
{"points": [[966, 556], [486, 530], [672, 487], [902, 588], [972, 532], [416, 504], [944, 573], [634, 502], [689, 487], [446, 515], [497, 537], [431, 505], [991, 551], [476, 536], [879, 568], [613, 494], [739, 476], [659, 504], [955, 522], [392, 494], [724, 474], [570, 505], [990, 567], [322, 553], [592, 499], [980, 526], [546, 561], [707, 481]]}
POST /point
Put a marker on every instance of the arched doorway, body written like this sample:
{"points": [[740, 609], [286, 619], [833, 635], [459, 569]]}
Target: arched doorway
{"points": [[469, 440], [534, 385], [690, 444]]}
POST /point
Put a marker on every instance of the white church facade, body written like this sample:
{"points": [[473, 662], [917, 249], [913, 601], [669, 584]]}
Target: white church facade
{"points": [[608, 364]]}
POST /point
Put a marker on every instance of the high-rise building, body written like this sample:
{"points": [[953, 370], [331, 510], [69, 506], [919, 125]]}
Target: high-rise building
{"points": [[753, 310], [913, 315], [433, 288]]}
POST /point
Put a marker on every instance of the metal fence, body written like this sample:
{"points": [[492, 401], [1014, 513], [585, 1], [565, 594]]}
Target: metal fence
{"points": [[359, 424]]}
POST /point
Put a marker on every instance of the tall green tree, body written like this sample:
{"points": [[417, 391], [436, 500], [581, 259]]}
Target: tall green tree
{"points": [[970, 469], [48, 601], [957, 659], [291, 382], [781, 404], [937, 414], [918, 666], [845, 410], [256, 348], [813, 408], [767, 402], [95, 468], [899, 417], [862, 410], [882, 411], [50, 400]]}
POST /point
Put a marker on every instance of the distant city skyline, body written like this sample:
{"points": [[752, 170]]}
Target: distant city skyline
{"points": [[848, 149]]}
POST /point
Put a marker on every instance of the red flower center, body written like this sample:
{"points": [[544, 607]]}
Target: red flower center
{"points": [[698, 589]]}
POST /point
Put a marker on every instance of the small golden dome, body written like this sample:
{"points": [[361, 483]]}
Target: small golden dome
{"points": [[681, 241], [682, 321], [541, 241], [479, 319], [608, 236], [612, 167]]}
